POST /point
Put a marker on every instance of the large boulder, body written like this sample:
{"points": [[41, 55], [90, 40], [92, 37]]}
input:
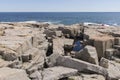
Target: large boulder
{"points": [[88, 54], [112, 67], [13, 74], [80, 65], [102, 43], [58, 72], [7, 54]]}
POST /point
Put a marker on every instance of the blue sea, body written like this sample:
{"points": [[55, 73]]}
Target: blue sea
{"points": [[67, 18]]}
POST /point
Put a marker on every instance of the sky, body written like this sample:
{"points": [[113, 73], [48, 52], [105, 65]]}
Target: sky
{"points": [[59, 5]]}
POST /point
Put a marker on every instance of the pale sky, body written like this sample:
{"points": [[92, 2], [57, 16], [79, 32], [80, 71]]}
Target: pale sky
{"points": [[59, 5]]}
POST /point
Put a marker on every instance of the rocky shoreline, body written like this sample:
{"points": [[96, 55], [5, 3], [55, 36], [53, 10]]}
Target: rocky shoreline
{"points": [[41, 51]]}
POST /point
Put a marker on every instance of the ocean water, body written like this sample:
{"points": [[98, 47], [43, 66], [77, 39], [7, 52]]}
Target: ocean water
{"points": [[67, 18]]}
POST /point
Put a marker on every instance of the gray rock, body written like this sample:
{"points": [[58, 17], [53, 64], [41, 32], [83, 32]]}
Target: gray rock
{"points": [[109, 53], [80, 65], [13, 74], [58, 46], [37, 58], [58, 72], [112, 67], [88, 54], [8, 55], [88, 77], [52, 60]]}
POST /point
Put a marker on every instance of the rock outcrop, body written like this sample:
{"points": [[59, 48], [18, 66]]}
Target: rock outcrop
{"points": [[42, 51], [88, 54]]}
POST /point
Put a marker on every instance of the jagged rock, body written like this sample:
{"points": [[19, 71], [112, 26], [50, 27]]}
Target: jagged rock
{"points": [[43, 46], [36, 75], [36, 60], [52, 60], [88, 77], [109, 53], [38, 39], [88, 54], [58, 72], [68, 45], [59, 44], [112, 67], [4, 63], [80, 65], [7, 54], [30, 54], [13, 74]]}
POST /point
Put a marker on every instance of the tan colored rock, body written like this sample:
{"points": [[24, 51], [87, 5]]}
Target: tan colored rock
{"points": [[103, 43], [58, 46], [112, 67], [13, 74], [7, 54]]}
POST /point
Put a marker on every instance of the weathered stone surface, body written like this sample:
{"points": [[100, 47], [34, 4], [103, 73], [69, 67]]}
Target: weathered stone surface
{"points": [[103, 43], [38, 39], [80, 65], [60, 43], [58, 46], [4, 63], [36, 59], [109, 53], [88, 77], [112, 67], [36, 75], [52, 60], [13, 74], [88, 54], [58, 72], [7, 54]]}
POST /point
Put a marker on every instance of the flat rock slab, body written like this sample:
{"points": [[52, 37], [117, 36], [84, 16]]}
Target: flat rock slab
{"points": [[12, 74], [80, 65], [87, 77], [58, 72]]}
